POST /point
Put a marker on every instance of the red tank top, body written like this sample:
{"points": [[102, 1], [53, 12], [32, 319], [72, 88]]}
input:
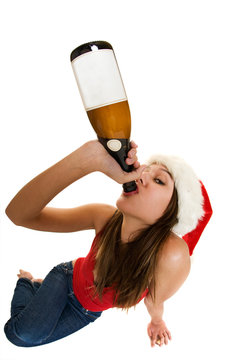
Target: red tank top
{"points": [[83, 283]]}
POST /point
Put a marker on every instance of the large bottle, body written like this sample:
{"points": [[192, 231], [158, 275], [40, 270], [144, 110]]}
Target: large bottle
{"points": [[104, 98]]}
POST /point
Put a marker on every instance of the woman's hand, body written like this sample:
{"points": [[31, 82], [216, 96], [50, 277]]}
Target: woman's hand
{"points": [[158, 333], [106, 164]]}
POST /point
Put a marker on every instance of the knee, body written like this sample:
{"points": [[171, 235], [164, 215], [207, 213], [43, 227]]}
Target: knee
{"points": [[30, 338], [20, 338], [12, 337]]}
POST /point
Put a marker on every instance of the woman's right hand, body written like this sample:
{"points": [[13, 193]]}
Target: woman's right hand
{"points": [[105, 163]]}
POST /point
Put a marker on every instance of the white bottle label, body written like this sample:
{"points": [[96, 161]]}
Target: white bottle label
{"points": [[98, 78], [114, 145]]}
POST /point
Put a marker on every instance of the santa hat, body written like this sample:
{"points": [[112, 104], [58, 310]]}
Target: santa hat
{"points": [[194, 208]]}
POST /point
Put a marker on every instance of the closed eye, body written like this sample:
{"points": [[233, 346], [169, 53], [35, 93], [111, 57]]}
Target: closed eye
{"points": [[158, 181]]}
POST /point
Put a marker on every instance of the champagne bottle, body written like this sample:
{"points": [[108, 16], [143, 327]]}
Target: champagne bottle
{"points": [[104, 98]]}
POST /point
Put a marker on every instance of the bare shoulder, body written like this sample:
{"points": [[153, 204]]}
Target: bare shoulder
{"points": [[172, 268], [176, 245], [103, 212], [175, 252]]}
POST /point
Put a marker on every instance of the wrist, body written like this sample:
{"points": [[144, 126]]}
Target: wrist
{"points": [[156, 321], [154, 310], [83, 160]]}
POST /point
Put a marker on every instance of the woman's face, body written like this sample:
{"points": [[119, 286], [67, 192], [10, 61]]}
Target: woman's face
{"points": [[155, 189]]}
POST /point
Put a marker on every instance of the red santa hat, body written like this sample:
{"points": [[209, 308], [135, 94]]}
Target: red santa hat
{"points": [[194, 207]]}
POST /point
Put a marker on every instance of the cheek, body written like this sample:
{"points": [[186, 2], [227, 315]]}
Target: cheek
{"points": [[155, 209], [158, 204], [149, 208]]}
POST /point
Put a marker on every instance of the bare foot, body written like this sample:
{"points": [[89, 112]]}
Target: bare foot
{"points": [[24, 274], [37, 280], [28, 275]]}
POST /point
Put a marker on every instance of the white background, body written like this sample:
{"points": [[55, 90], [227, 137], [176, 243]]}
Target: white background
{"points": [[180, 65]]}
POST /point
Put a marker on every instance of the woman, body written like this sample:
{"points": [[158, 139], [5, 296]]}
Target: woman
{"points": [[136, 253]]}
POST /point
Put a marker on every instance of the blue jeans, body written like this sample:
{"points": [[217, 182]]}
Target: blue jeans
{"points": [[43, 313]]}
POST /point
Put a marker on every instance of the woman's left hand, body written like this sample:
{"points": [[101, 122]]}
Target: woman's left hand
{"points": [[158, 333], [106, 164]]}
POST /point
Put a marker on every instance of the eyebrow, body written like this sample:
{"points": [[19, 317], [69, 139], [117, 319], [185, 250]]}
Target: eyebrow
{"points": [[167, 172]]}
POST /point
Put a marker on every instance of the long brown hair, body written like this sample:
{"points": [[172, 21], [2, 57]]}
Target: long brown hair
{"points": [[129, 267]]}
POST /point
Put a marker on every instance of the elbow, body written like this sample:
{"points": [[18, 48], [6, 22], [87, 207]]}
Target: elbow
{"points": [[154, 310], [151, 304], [147, 300], [8, 213], [12, 217]]}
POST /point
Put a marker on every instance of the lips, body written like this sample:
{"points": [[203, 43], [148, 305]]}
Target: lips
{"points": [[131, 192]]}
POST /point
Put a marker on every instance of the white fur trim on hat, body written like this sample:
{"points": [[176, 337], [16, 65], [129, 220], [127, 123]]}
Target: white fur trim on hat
{"points": [[190, 198]]}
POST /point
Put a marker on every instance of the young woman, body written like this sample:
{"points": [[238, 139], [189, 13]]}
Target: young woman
{"points": [[136, 252]]}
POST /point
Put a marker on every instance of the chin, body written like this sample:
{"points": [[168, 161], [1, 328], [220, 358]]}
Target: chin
{"points": [[127, 209], [120, 204]]}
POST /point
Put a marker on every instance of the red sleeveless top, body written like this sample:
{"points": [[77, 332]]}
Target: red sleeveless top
{"points": [[83, 283]]}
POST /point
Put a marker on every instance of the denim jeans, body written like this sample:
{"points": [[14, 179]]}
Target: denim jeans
{"points": [[43, 313]]}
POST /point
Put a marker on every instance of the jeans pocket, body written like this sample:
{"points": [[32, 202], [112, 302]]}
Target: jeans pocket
{"points": [[91, 316], [80, 309]]}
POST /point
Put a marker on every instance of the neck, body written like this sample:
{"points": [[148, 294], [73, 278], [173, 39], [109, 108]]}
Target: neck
{"points": [[129, 228]]}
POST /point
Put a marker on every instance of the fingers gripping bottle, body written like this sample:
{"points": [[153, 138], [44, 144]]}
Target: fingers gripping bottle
{"points": [[104, 98]]}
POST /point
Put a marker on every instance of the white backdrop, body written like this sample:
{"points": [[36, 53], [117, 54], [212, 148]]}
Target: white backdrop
{"points": [[180, 65]]}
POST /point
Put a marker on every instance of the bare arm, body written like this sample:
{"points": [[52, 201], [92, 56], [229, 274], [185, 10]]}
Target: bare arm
{"points": [[34, 196], [28, 208], [172, 269]]}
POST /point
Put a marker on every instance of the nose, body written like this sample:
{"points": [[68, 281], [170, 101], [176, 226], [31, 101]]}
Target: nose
{"points": [[144, 178]]}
